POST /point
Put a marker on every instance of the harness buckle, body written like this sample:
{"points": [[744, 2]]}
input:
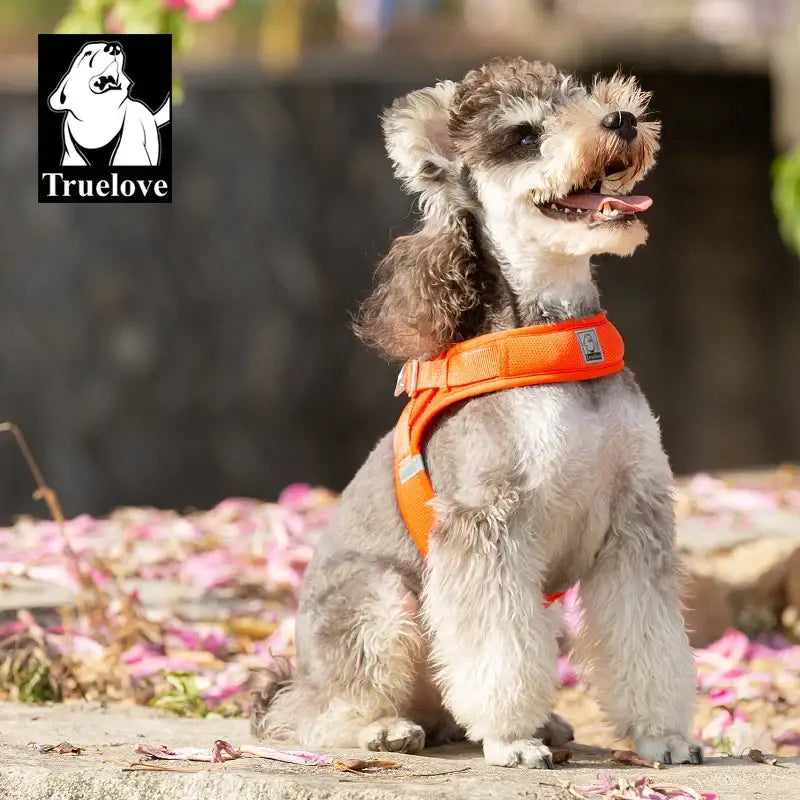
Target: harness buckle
{"points": [[403, 383]]}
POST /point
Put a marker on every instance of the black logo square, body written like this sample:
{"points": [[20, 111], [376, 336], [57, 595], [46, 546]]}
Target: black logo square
{"points": [[590, 345], [105, 118]]}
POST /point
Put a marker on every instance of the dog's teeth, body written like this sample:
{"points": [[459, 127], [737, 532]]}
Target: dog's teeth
{"points": [[554, 206]]}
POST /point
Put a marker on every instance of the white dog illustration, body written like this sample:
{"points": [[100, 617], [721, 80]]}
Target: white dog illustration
{"points": [[100, 114]]}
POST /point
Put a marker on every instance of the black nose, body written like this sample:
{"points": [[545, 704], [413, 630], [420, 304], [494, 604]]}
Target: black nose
{"points": [[115, 48], [623, 123]]}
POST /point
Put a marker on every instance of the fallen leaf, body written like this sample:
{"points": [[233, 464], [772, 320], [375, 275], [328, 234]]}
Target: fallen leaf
{"points": [[561, 756], [756, 755], [62, 748], [252, 627], [358, 765], [141, 766], [633, 759]]}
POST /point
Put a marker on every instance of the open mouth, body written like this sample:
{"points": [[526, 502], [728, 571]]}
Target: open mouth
{"points": [[107, 80], [586, 204]]}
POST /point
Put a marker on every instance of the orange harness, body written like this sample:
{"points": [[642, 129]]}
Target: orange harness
{"points": [[576, 350]]}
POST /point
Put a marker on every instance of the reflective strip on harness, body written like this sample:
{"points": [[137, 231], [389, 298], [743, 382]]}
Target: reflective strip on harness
{"points": [[575, 350]]}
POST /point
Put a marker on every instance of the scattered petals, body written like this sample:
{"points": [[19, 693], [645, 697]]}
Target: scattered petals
{"points": [[144, 572], [225, 751], [622, 788]]}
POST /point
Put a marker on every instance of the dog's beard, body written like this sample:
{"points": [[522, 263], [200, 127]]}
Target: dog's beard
{"points": [[618, 236], [606, 225], [587, 222]]}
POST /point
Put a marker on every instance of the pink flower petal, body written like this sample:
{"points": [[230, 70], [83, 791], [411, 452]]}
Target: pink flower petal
{"points": [[566, 673], [225, 751], [161, 751], [206, 10], [295, 496], [288, 756], [222, 748], [790, 737], [155, 664], [733, 645], [722, 697]]}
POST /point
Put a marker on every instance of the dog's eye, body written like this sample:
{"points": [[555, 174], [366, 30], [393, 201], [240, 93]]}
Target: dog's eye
{"points": [[527, 137]]}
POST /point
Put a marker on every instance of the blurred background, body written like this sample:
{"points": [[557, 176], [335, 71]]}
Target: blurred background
{"points": [[177, 355]]}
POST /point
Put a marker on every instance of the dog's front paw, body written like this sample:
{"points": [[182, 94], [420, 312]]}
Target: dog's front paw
{"points": [[519, 752], [556, 732], [396, 735], [672, 748]]}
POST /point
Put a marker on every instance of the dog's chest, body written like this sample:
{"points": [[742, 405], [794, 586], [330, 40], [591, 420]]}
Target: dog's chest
{"points": [[578, 447]]}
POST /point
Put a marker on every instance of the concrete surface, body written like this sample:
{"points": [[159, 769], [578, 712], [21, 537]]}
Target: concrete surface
{"points": [[110, 737]]}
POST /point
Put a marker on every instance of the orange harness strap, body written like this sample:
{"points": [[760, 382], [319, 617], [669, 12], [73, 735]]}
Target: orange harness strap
{"points": [[575, 350]]}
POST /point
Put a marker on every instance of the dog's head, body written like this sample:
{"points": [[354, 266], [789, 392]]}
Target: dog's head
{"points": [[529, 144], [517, 158], [94, 83]]}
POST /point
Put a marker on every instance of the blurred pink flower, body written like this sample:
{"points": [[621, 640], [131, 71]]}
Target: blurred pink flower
{"points": [[733, 645], [295, 496], [229, 682], [155, 663], [790, 737], [212, 639], [722, 697], [200, 10], [566, 672]]}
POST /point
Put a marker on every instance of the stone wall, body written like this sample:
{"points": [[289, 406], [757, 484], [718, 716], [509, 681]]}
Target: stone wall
{"points": [[177, 355]]}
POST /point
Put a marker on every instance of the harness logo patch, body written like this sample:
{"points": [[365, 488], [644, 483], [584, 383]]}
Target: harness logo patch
{"points": [[590, 345], [105, 113]]}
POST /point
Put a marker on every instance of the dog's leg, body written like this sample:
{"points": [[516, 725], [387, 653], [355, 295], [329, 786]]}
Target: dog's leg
{"points": [[633, 640], [361, 651], [494, 643]]}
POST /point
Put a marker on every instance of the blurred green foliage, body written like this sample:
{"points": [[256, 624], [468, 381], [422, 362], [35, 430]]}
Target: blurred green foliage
{"points": [[128, 16], [184, 697], [786, 196], [35, 684]]}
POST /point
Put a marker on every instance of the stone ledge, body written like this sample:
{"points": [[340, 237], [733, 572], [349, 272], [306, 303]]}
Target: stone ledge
{"points": [[110, 737]]}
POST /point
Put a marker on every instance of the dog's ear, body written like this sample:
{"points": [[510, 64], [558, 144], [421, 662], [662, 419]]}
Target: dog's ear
{"points": [[419, 144], [427, 292], [427, 289], [58, 99]]}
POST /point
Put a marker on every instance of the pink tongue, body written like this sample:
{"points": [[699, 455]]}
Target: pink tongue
{"points": [[596, 202]]}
